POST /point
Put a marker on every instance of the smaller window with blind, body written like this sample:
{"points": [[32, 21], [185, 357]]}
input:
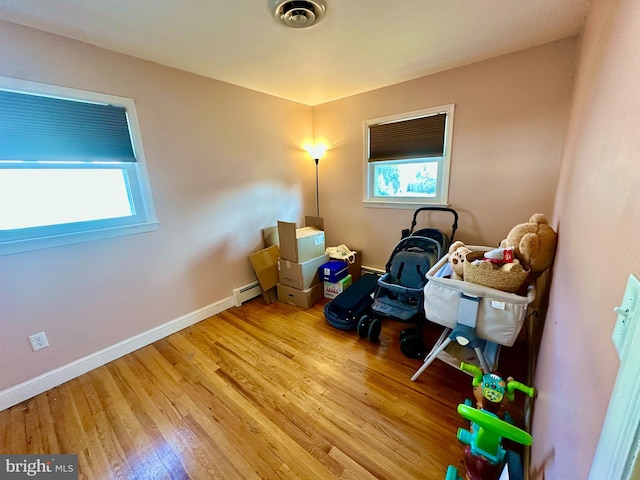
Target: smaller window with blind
{"points": [[408, 158], [71, 167]]}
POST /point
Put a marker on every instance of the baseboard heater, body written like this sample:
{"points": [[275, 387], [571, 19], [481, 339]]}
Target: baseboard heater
{"points": [[246, 292], [374, 270], [252, 290]]}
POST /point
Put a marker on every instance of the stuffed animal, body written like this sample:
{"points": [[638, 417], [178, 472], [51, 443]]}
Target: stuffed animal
{"points": [[512, 267], [457, 255], [534, 244]]}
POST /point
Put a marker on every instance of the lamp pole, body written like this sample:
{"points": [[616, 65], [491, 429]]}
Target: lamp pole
{"points": [[317, 160], [316, 152]]}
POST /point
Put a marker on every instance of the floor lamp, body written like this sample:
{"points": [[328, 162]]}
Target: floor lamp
{"points": [[317, 152]]}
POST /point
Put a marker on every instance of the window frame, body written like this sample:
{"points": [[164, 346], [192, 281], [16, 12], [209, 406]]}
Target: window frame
{"points": [[144, 218], [410, 202]]}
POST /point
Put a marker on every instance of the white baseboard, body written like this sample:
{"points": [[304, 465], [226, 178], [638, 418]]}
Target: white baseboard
{"points": [[32, 387]]}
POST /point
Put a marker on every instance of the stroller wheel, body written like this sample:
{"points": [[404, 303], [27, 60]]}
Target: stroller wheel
{"points": [[363, 325], [413, 346], [409, 331], [374, 330]]}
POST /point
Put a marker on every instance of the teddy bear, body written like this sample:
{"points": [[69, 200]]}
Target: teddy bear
{"points": [[534, 244], [457, 255]]}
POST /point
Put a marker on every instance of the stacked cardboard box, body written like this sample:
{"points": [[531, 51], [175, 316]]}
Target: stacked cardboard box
{"points": [[265, 264], [335, 277], [294, 268], [333, 289], [301, 255], [355, 267]]}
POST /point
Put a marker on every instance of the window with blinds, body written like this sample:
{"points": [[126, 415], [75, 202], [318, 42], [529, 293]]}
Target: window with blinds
{"points": [[71, 167], [408, 158]]}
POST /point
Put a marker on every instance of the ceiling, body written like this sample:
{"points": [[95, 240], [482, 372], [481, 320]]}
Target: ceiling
{"points": [[360, 45]]}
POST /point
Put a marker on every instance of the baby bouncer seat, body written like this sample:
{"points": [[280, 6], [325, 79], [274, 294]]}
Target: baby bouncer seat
{"points": [[476, 318]]}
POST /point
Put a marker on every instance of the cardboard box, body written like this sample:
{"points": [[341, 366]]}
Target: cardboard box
{"points": [[301, 298], [265, 264], [300, 275], [299, 245], [270, 237], [355, 268], [334, 270], [332, 290]]}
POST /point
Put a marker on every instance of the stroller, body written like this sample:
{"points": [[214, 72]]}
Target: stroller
{"points": [[400, 291], [430, 232]]}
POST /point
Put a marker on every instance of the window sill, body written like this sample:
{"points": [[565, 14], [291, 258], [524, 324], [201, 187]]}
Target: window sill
{"points": [[27, 245], [408, 205]]}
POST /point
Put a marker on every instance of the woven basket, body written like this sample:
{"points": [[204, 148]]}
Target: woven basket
{"points": [[493, 278]]}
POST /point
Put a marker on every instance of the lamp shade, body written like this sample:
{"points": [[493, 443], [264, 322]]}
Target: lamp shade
{"points": [[316, 151]]}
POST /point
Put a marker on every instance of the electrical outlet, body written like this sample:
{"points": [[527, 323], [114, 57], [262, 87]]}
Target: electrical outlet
{"points": [[38, 341]]}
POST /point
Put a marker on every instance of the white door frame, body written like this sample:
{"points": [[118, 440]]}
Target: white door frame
{"points": [[617, 452]]}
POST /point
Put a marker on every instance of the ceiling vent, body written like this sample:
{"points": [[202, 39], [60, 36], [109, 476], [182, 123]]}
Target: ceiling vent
{"points": [[299, 13]]}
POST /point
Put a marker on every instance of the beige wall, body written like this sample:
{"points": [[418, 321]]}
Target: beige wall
{"points": [[509, 127], [223, 162], [597, 214]]}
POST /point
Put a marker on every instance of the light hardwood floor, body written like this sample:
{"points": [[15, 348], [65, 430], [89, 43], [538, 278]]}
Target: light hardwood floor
{"points": [[260, 391]]}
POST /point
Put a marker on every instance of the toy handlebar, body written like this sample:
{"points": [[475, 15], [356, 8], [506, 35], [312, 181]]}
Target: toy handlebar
{"points": [[493, 427], [473, 370], [513, 385]]}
